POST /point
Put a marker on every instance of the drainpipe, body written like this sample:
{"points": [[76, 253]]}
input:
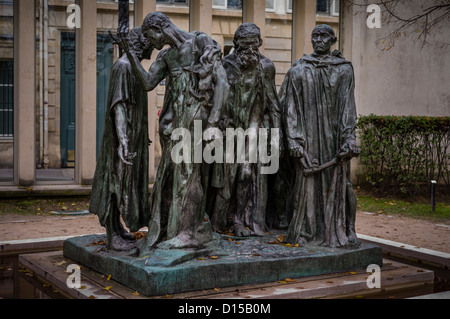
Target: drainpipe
{"points": [[46, 31], [41, 89]]}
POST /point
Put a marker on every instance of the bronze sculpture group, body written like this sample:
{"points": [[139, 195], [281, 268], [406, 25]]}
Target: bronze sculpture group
{"points": [[311, 196]]}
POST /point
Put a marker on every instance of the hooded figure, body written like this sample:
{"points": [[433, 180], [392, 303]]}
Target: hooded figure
{"points": [[319, 115], [120, 187]]}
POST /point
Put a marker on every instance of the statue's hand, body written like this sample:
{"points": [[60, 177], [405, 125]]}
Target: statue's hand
{"points": [[297, 152], [348, 152], [124, 156], [121, 40]]}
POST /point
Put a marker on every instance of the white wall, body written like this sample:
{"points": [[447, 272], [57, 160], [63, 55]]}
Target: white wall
{"points": [[408, 79]]}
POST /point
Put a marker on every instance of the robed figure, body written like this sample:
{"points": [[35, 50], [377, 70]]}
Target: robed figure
{"points": [[252, 103], [319, 112], [120, 187]]}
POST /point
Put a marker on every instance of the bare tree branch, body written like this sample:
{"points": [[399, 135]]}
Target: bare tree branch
{"points": [[431, 14]]}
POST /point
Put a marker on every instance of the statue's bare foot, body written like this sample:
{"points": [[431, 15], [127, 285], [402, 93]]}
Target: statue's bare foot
{"points": [[241, 231], [117, 243], [126, 235], [183, 240], [353, 240]]}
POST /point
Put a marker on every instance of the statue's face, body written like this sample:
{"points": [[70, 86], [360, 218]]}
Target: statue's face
{"points": [[247, 51], [147, 49], [155, 37], [322, 41], [249, 43]]}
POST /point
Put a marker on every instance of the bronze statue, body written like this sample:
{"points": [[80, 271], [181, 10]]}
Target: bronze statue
{"points": [[319, 116], [120, 187], [196, 89], [252, 104]]}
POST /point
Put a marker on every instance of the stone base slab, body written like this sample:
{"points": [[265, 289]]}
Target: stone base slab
{"points": [[227, 261]]}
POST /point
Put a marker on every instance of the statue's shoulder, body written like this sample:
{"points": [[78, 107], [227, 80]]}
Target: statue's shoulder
{"points": [[121, 65], [203, 40], [266, 63]]}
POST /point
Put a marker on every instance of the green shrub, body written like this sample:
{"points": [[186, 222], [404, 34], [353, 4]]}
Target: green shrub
{"points": [[404, 151]]}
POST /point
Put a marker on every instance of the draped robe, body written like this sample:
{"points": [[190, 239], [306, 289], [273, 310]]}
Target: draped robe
{"points": [[116, 185], [252, 103], [319, 114]]}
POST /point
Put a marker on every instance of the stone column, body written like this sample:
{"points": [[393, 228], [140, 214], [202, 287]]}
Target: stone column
{"points": [[86, 93], [141, 9], [24, 93], [200, 16], [255, 11], [303, 22]]}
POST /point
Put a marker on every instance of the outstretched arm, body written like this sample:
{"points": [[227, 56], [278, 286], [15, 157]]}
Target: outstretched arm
{"points": [[148, 80]]}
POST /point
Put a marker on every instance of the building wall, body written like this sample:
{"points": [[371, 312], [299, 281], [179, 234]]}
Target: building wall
{"points": [[277, 46], [409, 78]]}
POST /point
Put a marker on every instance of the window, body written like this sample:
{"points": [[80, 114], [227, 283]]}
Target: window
{"points": [[328, 7], [289, 6], [270, 5], [323, 6], [227, 4], [6, 98], [335, 7]]}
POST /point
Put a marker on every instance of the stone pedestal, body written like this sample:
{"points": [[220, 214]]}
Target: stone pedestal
{"points": [[227, 261]]}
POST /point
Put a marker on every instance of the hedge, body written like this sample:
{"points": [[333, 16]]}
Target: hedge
{"points": [[404, 151]]}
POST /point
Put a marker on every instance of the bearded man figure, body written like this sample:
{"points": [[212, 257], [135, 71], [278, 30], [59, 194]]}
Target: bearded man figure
{"points": [[120, 187], [319, 112], [252, 104]]}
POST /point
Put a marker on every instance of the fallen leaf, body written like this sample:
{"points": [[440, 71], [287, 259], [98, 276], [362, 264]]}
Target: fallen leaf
{"points": [[91, 297], [213, 257], [109, 277], [282, 282], [83, 287], [290, 280], [200, 258], [297, 245], [108, 288], [281, 238], [352, 272], [216, 289], [135, 293]]}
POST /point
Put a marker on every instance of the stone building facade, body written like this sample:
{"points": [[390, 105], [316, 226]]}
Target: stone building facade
{"points": [[55, 77]]}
